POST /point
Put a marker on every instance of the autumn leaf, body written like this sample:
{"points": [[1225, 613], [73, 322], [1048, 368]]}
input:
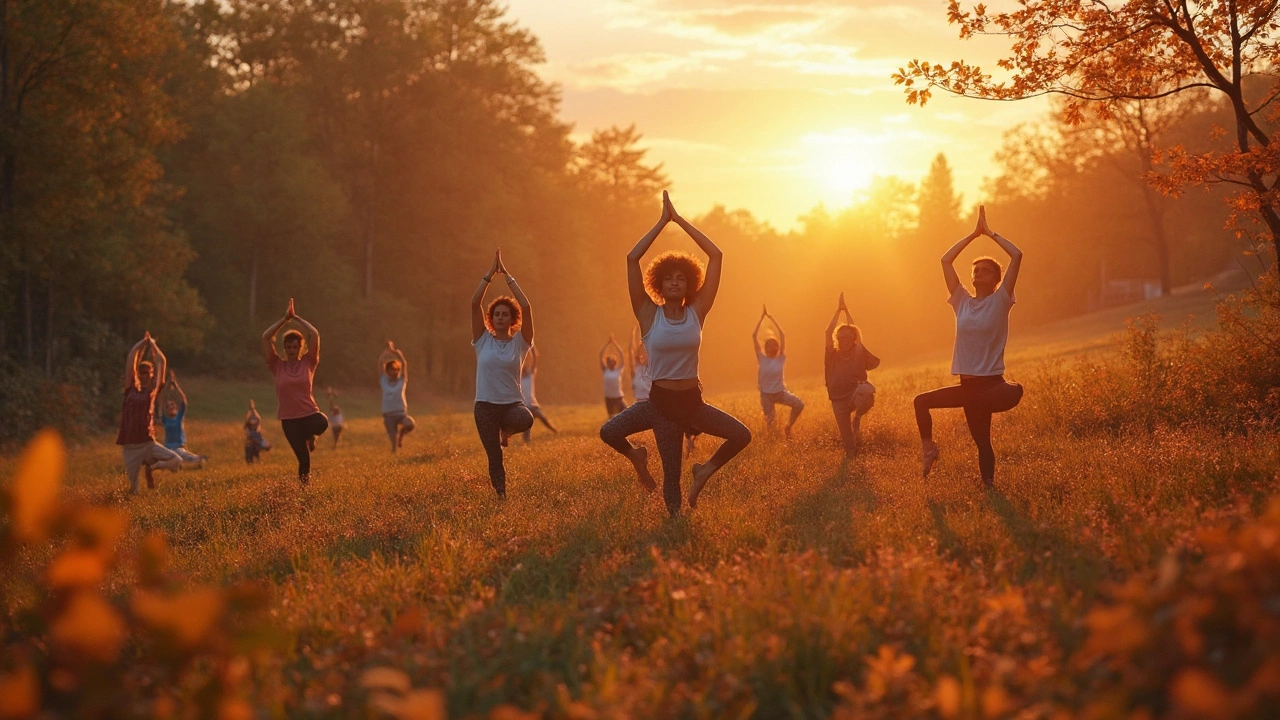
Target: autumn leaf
{"points": [[89, 627], [33, 494]]}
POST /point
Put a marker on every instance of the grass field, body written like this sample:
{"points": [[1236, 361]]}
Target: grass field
{"points": [[802, 585]]}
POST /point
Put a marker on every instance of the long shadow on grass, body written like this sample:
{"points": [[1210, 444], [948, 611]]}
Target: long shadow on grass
{"points": [[1049, 550], [823, 518]]}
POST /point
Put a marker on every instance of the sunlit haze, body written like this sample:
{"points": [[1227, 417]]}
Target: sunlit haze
{"points": [[772, 105]]}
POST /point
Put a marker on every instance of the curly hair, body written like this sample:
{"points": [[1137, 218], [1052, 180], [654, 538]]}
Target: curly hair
{"points": [[672, 262], [511, 303], [857, 334], [993, 261]]}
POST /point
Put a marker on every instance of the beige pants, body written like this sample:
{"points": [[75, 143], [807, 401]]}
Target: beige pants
{"points": [[148, 453]]}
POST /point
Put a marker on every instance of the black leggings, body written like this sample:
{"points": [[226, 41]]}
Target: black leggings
{"points": [[668, 435], [980, 397], [298, 431], [491, 421]]}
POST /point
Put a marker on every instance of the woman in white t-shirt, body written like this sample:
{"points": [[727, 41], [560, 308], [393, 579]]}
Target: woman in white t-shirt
{"points": [[501, 335], [611, 373], [982, 330], [771, 360], [671, 300]]}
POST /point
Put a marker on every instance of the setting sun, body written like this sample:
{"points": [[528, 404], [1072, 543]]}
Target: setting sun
{"points": [[840, 164]]}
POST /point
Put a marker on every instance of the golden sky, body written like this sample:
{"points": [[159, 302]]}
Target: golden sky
{"points": [[770, 105]]}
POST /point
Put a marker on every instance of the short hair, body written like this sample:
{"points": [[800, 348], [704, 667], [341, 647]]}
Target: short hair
{"points": [[147, 364], [773, 340], [993, 261], [857, 333], [294, 334], [510, 302], [391, 364], [671, 262]]}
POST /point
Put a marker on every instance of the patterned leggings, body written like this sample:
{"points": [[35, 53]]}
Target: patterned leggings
{"points": [[644, 416], [491, 421]]}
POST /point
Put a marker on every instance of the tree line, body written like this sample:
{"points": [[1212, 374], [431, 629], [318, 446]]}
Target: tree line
{"points": [[185, 168]]}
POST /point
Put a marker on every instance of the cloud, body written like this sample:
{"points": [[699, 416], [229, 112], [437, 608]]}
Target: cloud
{"points": [[629, 71]]}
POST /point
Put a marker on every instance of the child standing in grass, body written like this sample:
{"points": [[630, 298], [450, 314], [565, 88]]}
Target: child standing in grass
{"points": [[336, 422], [254, 443], [137, 417], [771, 360], [846, 361], [175, 413]]}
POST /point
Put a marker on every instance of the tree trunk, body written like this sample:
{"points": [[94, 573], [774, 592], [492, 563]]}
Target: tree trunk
{"points": [[26, 300], [1159, 237], [253, 286], [48, 332]]}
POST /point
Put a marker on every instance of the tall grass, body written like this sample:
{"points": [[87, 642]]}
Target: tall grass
{"points": [[1123, 563]]}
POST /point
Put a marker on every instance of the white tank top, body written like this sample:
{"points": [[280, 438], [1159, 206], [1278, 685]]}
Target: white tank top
{"points": [[613, 382], [640, 382], [673, 347]]}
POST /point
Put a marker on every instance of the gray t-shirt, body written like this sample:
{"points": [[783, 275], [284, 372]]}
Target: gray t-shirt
{"points": [[392, 394]]}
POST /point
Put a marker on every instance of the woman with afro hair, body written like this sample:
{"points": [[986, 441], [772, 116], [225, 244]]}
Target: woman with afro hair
{"points": [[671, 300], [501, 335]]}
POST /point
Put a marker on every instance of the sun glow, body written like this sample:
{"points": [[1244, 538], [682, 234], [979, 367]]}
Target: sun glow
{"points": [[841, 164]]}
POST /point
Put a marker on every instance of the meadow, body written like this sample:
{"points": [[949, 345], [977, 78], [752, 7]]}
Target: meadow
{"points": [[1119, 570]]}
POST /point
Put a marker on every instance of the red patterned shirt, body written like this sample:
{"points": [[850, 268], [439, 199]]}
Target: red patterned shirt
{"points": [[137, 417]]}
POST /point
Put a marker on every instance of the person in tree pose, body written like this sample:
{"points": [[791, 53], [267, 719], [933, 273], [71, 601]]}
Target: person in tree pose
{"points": [[771, 360], [393, 377], [295, 374], [641, 383], [254, 443], [982, 330], [528, 375], [175, 413], [136, 435], [611, 371], [501, 335], [638, 364], [672, 334], [336, 422], [845, 363]]}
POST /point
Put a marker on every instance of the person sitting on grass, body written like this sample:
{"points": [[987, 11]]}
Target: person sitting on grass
{"points": [[294, 375], [393, 378], [254, 443], [336, 422], [136, 435], [845, 364], [771, 360], [175, 413]]}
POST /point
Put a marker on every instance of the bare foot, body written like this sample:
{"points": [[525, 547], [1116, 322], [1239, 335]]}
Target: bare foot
{"points": [[928, 456], [503, 437], [311, 443], [639, 458], [787, 432], [702, 472]]}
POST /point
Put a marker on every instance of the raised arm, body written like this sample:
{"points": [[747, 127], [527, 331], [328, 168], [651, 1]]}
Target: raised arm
{"points": [[477, 298], [782, 336], [715, 262], [533, 360], [161, 365], [314, 335], [603, 350], [177, 390], [526, 310], [830, 342], [1015, 257], [269, 337], [949, 258], [131, 362], [755, 334], [252, 413], [642, 306]]}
